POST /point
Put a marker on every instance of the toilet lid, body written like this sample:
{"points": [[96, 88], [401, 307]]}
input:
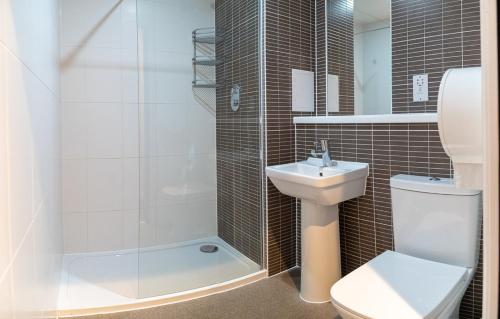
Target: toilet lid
{"points": [[395, 285]]}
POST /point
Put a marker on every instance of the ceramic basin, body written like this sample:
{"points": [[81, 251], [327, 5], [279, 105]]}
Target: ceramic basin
{"points": [[320, 190], [322, 185]]}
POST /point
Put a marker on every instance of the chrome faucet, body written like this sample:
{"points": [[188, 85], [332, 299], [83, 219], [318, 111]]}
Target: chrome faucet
{"points": [[325, 153]]}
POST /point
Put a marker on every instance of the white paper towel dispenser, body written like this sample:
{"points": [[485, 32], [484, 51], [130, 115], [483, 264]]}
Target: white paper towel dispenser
{"points": [[460, 124]]}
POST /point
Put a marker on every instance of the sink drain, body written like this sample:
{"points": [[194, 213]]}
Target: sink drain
{"points": [[209, 248]]}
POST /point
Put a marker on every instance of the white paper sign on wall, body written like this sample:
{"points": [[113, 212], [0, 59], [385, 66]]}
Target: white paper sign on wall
{"points": [[302, 91]]}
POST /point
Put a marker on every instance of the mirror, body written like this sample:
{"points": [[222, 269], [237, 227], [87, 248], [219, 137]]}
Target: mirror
{"points": [[358, 57]]}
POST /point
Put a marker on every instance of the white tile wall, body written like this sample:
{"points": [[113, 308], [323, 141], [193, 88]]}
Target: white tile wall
{"points": [[22, 89], [132, 131], [105, 231], [3, 20], [23, 275], [4, 225], [130, 173], [103, 75], [172, 136], [104, 130], [75, 231], [130, 230], [178, 134], [74, 186], [47, 230], [72, 74], [104, 188], [74, 126], [30, 212], [92, 22], [30, 34], [6, 297]]}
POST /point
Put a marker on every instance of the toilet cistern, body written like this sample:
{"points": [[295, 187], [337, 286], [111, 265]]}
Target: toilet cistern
{"points": [[436, 236]]}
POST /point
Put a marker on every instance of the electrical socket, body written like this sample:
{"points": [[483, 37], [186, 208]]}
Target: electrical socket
{"points": [[421, 88]]}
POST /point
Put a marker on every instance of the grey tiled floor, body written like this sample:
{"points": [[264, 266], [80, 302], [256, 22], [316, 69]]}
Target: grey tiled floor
{"points": [[275, 297]]}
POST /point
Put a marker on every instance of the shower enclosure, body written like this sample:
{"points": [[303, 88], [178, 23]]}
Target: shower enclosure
{"points": [[162, 179]]}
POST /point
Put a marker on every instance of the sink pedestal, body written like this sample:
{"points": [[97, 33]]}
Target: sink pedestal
{"points": [[320, 242], [320, 189]]}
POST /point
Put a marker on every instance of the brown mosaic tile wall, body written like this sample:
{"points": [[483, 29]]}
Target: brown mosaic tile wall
{"points": [[428, 36], [238, 133], [366, 223], [389, 149], [321, 57], [335, 53], [431, 36], [340, 33], [290, 43]]}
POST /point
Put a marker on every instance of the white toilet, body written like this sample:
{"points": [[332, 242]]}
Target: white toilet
{"points": [[436, 230]]}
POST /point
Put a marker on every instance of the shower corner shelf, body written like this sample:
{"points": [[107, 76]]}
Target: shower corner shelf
{"points": [[206, 61], [204, 40], [206, 36], [204, 85]]}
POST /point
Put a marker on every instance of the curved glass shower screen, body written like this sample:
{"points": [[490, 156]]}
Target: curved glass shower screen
{"points": [[200, 205], [161, 178]]}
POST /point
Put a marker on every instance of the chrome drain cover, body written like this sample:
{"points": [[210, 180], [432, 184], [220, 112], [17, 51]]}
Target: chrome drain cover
{"points": [[209, 248]]}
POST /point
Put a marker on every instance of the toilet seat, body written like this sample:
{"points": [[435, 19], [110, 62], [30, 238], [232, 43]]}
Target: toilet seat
{"points": [[395, 286]]}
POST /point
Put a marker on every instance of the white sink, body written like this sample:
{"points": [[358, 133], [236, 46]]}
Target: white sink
{"points": [[320, 190], [325, 186]]}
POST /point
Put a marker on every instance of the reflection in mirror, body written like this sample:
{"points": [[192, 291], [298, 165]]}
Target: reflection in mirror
{"points": [[359, 56], [372, 57]]}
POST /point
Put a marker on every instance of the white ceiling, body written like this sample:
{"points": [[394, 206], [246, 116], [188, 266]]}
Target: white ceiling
{"points": [[370, 11]]}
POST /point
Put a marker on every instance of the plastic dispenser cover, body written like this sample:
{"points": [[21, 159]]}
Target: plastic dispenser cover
{"points": [[460, 124]]}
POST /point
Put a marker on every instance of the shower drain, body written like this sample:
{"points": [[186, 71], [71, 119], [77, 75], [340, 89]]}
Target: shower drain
{"points": [[209, 248]]}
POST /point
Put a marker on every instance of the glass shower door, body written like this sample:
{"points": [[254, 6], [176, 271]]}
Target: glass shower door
{"points": [[178, 169]]}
